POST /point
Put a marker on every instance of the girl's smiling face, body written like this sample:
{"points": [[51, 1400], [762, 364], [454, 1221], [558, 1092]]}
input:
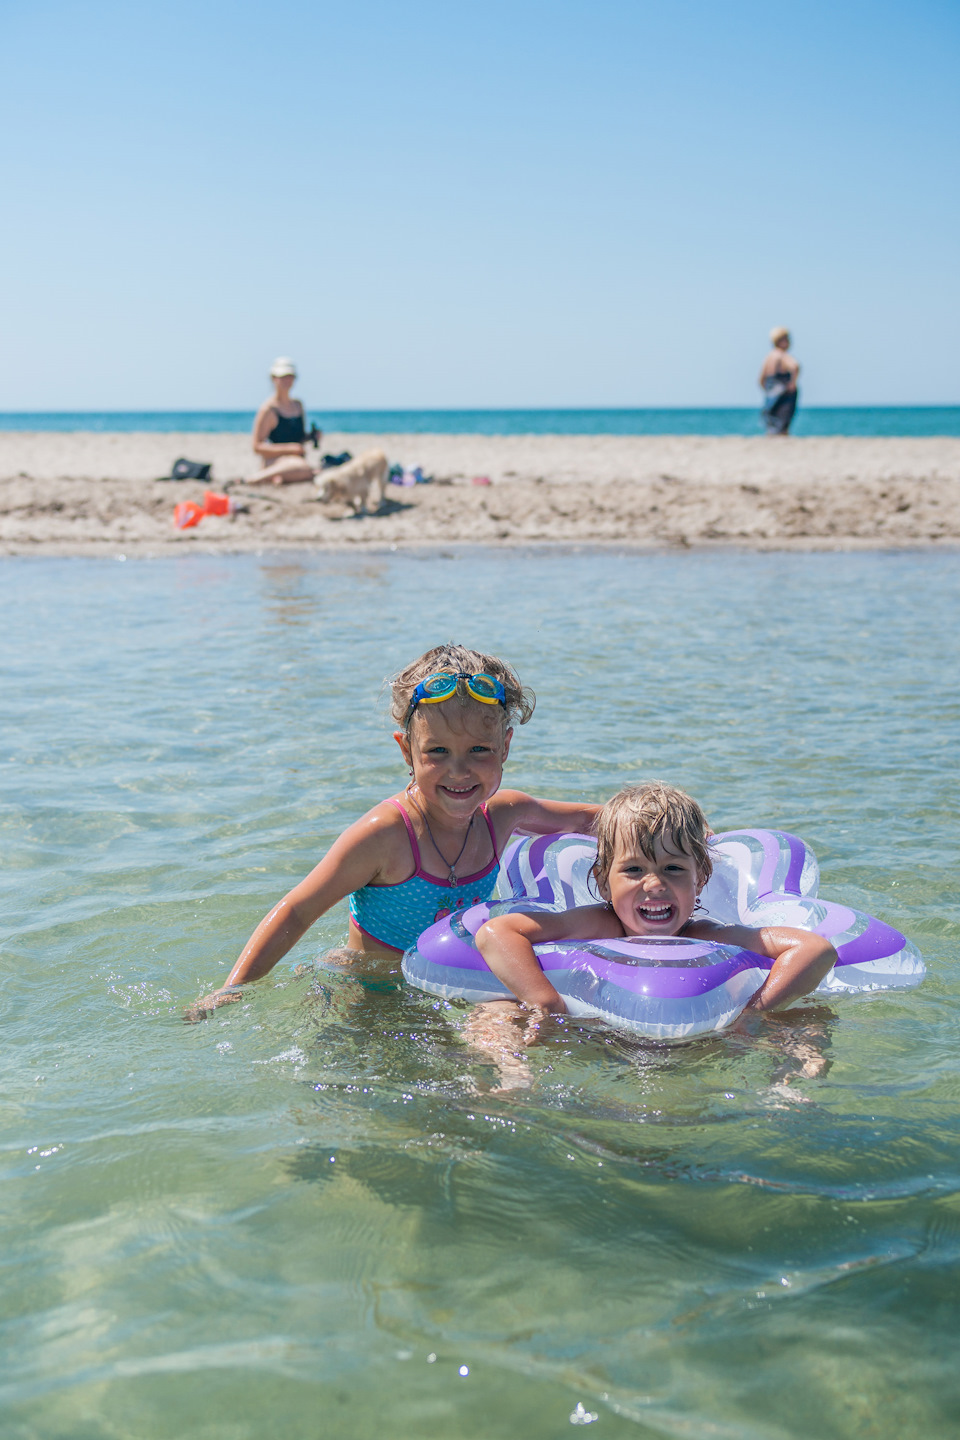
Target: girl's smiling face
{"points": [[457, 753], [651, 896]]}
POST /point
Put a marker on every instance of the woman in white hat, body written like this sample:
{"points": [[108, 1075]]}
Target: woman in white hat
{"points": [[280, 433], [778, 381]]}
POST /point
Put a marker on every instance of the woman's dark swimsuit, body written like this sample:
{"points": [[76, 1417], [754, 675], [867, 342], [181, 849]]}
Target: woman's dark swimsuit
{"points": [[289, 430], [779, 402]]}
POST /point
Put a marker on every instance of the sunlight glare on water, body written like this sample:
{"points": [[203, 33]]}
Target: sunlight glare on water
{"points": [[311, 1215]]}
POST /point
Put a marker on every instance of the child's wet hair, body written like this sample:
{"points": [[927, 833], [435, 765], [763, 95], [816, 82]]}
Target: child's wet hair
{"points": [[644, 814], [458, 660]]}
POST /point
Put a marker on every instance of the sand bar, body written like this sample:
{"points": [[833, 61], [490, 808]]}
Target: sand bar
{"points": [[86, 493]]}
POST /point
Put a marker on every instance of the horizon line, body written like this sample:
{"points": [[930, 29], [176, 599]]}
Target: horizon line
{"points": [[474, 409]]}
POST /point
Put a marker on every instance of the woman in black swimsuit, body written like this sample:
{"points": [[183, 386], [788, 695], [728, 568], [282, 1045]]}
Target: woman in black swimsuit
{"points": [[778, 381], [279, 432]]}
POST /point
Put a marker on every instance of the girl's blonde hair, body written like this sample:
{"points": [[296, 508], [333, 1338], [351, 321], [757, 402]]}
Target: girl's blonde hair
{"points": [[644, 814], [458, 660]]}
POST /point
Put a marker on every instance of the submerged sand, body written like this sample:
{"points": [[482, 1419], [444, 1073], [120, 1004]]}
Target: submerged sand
{"points": [[89, 493]]}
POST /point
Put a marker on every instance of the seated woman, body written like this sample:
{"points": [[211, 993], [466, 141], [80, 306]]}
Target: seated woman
{"points": [[279, 432]]}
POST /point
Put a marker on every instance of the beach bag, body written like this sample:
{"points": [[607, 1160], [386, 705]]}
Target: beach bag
{"points": [[190, 470]]}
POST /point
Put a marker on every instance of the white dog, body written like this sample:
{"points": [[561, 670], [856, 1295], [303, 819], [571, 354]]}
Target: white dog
{"points": [[355, 482]]}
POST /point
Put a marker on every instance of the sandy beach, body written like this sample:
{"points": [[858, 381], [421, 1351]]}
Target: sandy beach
{"points": [[87, 493]]}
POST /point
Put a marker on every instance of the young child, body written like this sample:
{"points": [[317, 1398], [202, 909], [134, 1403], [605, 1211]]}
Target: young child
{"points": [[653, 859], [433, 847]]}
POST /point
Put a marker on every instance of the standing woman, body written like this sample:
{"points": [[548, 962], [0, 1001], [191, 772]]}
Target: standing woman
{"points": [[778, 380], [280, 433]]}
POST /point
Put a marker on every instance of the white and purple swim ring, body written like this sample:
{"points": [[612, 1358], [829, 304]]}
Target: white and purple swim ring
{"points": [[674, 988]]}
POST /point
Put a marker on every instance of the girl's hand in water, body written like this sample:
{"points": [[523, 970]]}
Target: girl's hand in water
{"points": [[501, 1030], [201, 1009]]}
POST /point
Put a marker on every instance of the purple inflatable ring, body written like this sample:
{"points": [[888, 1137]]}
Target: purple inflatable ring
{"points": [[665, 989]]}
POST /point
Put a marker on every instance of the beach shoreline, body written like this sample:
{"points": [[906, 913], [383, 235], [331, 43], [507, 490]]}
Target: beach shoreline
{"points": [[97, 493]]}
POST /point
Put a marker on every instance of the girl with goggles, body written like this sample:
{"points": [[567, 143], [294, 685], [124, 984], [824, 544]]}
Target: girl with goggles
{"points": [[432, 847]]}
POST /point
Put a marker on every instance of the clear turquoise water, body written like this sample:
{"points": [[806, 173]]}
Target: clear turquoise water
{"points": [[267, 1224], [823, 420]]}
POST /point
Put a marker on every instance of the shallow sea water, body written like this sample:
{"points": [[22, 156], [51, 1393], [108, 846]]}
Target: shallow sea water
{"points": [[310, 1215]]}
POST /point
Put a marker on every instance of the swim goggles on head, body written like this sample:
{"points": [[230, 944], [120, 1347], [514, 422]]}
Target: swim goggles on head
{"points": [[485, 688]]}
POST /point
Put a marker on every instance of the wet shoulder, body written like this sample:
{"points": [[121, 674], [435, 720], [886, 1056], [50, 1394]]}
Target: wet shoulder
{"points": [[382, 834]]}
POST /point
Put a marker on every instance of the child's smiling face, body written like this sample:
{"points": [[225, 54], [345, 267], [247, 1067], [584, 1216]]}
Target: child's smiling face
{"points": [[651, 896], [457, 753]]}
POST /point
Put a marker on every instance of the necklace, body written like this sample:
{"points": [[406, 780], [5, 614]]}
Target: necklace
{"points": [[452, 880]]}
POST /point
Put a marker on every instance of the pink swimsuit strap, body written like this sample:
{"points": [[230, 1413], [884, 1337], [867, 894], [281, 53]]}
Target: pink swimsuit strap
{"points": [[425, 874]]}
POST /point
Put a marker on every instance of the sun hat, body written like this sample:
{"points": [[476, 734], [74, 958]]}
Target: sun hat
{"points": [[779, 332], [283, 365]]}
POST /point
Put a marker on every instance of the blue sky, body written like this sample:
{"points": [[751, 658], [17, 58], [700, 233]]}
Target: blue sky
{"points": [[436, 204]]}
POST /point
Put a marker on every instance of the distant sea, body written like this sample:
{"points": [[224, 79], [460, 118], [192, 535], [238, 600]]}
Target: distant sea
{"points": [[866, 420]]}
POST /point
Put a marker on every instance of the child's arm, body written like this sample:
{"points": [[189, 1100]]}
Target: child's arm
{"points": [[542, 817], [506, 943], [351, 862], [801, 958]]}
